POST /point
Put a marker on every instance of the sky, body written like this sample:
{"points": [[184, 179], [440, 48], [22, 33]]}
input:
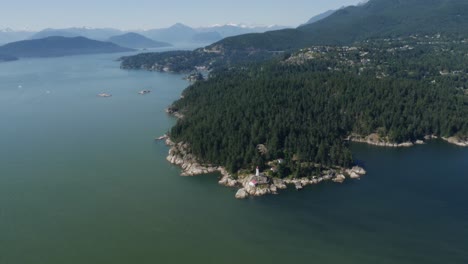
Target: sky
{"points": [[146, 14]]}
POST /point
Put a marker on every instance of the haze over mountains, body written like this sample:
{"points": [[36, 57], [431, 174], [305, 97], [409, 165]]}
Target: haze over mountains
{"points": [[178, 33], [137, 41], [373, 19]]}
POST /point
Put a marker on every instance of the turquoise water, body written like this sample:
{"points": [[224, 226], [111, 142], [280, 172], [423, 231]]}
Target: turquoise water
{"points": [[83, 181]]}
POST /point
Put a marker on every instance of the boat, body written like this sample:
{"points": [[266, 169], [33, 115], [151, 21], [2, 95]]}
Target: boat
{"points": [[144, 92], [104, 95]]}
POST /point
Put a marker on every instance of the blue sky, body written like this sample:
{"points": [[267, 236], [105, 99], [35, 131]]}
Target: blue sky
{"points": [[145, 14]]}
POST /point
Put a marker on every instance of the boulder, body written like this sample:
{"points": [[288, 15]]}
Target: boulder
{"points": [[353, 175], [242, 194], [359, 170], [262, 191], [223, 181], [298, 185], [339, 178], [279, 183], [231, 182], [462, 142], [273, 188]]}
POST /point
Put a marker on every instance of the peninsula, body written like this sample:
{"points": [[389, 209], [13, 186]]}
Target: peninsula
{"points": [[291, 111], [304, 109]]}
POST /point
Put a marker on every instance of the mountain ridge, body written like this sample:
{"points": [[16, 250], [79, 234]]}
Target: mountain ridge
{"points": [[136, 41], [373, 19], [59, 46]]}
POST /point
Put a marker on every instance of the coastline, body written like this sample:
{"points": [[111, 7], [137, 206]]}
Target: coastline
{"points": [[375, 140], [179, 154]]}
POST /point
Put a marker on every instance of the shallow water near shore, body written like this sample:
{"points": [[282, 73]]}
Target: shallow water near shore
{"points": [[83, 181]]}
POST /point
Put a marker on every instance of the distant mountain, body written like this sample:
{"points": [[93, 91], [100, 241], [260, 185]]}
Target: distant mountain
{"points": [[59, 46], [207, 37], [178, 33], [136, 41], [91, 33], [230, 30], [374, 19], [320, 17], [7, 58], [8, 35]]}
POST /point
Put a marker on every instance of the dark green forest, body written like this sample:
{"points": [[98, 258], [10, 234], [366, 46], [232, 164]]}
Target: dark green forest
{"points": [[302, 110]]}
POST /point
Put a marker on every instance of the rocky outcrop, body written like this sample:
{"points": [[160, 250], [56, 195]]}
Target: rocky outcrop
{"points": [[429, 137], [179, 154], [175, 113], [340, 178], [459, 141], [356, 172], [279, 184], [376, 140], [241, 194], [251, 185]]}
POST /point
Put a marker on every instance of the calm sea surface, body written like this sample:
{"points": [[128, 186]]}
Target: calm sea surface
{"points": [[83, 181]]}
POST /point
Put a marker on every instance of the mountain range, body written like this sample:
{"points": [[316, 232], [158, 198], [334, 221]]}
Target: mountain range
{"points": [[373, 19], [320, 17], [178, 33]]}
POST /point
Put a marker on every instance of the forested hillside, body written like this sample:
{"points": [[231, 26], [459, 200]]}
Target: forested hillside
{"points": [[304, 106], [375, 19]]}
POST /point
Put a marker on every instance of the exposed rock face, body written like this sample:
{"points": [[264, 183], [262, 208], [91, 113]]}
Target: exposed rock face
{"points": [[242, 194], [175, 113], [374, 139], [359, 170], [429, 137], [273, 189], [298, 185], [462, 142], [355, 172], [279, 184], [179, 154], [340, 178], [251, 185]]}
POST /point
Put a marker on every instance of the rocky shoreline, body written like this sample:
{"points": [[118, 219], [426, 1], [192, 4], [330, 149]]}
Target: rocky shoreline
{"points": [[376, 140], [462, 142], [179, 154]]}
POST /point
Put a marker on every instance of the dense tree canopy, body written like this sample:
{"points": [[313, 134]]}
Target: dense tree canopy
{"points": [[303, 110]]}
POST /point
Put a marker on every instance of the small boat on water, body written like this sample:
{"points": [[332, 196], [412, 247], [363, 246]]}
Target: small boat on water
{"points": [[144, 92], [104, 95]]}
